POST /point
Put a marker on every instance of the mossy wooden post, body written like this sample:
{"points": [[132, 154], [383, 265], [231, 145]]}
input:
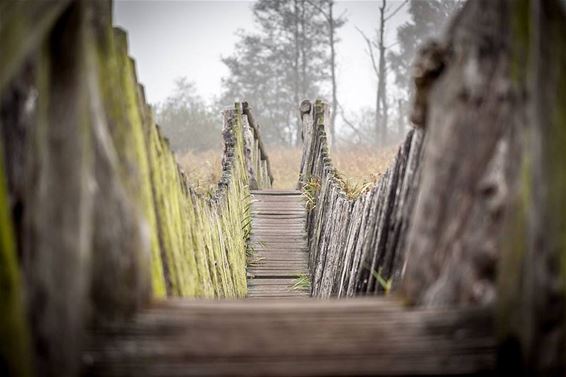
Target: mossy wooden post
{"points": [[58, 224], [120, 260], [128, 135], [532, 281], [23, 26], [468, 107], [15, 352]]}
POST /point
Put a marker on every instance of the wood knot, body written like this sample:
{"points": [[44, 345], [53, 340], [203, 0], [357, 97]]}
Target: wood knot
{"points": [[305, 107], [428, 66]]}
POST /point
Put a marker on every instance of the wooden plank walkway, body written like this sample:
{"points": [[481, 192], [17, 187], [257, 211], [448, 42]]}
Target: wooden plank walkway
{"points": [[278, 267], [280, 333], [293, 337]]}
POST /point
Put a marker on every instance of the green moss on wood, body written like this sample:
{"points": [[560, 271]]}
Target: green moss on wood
{"points": [[555, 140], [15, 354], [198, 244], [521, 34]]}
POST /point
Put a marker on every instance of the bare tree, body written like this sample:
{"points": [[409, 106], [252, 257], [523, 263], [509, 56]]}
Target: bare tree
{"points": [[380, 70], [327, 10], [381, 105]]}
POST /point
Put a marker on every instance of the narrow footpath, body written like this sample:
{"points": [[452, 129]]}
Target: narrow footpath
{"points": [[278, 264]]}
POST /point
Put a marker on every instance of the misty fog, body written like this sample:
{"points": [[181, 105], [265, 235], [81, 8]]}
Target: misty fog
{"points": [[197, 57]]}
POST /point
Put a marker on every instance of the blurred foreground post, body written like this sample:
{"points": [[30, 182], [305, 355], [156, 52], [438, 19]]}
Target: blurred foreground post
{"points": [[532, 293]]}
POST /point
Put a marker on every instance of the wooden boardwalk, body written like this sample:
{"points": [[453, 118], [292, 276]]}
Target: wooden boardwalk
{"points": [[293, 337], [280, 333], [278, 266]]}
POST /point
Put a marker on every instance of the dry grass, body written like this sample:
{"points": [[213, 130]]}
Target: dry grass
{"points": [[285, 163], [203, 169], [363, 165], [358, 166]]}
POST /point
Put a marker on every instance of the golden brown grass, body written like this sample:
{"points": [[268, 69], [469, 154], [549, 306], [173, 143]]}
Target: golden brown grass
{"points": [[285, 163], [203, 169], [358, 167], [363, 165]]}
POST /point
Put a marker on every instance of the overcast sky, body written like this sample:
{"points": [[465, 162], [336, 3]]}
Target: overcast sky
{"points": [[170, 39]]}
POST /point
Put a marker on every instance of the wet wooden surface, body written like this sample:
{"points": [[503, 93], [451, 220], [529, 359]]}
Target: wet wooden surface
{"points": [[278, 266]]}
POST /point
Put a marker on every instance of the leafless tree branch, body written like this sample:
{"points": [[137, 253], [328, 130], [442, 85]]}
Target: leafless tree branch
{"points": [[370, 50], [396, 10], [349, 123]]}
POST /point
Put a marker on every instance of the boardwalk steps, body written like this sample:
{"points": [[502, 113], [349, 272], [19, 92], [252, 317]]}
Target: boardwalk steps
{"points": [[280, 333], [293, 337], [279, 247]]}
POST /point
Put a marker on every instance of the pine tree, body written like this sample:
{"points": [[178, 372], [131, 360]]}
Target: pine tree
{"points": [[187, 121], [283, 63]]}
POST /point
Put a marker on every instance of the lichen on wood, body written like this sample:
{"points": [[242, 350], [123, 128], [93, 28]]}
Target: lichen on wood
{"points": [[15, 355], [109, 219], [354, 232]]}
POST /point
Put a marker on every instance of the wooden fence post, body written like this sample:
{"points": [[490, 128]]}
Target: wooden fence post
{"points": [[58, 228], [532, 281]]}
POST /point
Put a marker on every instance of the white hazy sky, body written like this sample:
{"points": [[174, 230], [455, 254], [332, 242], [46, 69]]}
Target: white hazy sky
{"points": [[170, 39]]}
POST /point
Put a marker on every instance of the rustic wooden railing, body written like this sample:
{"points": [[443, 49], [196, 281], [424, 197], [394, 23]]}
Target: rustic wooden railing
{"points": [[356, 242], [487, 200], [97, 215]]}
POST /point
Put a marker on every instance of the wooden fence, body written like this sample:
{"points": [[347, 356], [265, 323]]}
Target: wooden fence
{"points": [[356, 240], [97, 217], [485, 193]]}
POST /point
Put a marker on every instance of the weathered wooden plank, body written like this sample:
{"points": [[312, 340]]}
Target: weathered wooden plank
{"points": [[299, 236], [283, 266], [294, 200], [23, 27], [279, 269], [267, 228], [276, 289], [267, 261], [290, 269], [276, 192], [276, 274], [273, 239], [266, 222], [293, 337], [253, 282], [279, 199], [291, 251], [278, 229], [279, 243], [278, 209], [276, 257], [275, 216], [285, 204]]}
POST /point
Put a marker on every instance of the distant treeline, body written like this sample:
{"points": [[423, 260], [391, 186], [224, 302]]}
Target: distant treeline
{"points": [[290, 56]]}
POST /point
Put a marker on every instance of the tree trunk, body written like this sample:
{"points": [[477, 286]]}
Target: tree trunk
{"points": [[296, 78], [331, 32], [303, 89], [400, 120], [381, 109]]}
